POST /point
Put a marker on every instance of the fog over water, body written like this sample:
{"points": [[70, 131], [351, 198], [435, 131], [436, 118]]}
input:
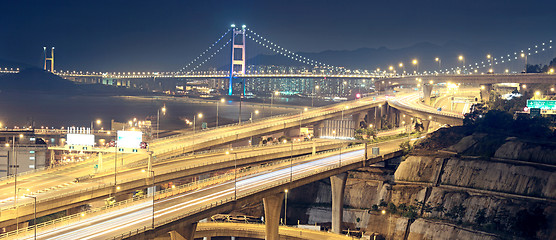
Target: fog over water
{"points": [[57, 110]]}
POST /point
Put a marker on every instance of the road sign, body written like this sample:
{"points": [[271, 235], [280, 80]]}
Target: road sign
{"points": [[535, 112], [204, 125], [548, 111], [542, 104]]}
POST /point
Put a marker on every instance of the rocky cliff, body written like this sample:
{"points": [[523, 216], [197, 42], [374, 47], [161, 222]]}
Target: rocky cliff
{"points": [[455, 184], [483, 186]]}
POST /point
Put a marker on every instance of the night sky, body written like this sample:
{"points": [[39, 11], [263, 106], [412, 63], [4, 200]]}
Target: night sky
{"points": [[166, 35]]}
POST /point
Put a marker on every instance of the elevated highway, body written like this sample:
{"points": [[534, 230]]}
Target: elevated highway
{"points": [[410, 105], [54, 189], [250, 230], [135, 221], [526, 78], [130, 178]]}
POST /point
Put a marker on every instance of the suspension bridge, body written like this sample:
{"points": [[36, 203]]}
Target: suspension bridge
{"points": [[236, 38]]}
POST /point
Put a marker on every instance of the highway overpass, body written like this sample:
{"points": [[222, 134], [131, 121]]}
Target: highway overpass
{"points": [[180, 212], [54, 189], [130, 178]]}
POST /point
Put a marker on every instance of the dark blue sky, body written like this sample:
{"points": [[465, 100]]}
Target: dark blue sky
{"points": [[165, 35]]}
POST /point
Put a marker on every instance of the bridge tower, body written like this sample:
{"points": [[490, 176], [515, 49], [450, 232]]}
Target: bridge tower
{"points": [[237, 65], [51, 59]]}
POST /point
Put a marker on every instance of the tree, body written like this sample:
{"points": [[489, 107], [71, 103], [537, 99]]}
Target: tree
{"points": [[528, 223], [392, 208], [456, 213], [480, 218]]}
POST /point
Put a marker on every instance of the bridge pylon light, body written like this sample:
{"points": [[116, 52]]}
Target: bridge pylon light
{"points": [[51, 59], [237, 65]]}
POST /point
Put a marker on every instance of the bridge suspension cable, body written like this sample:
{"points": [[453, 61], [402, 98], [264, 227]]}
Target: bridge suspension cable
{"points": [[285, 52], [209, 57], [503, 58], [203, 53]]}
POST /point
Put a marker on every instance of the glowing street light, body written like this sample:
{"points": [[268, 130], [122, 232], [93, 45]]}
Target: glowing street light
{"points": [[416, 63], [276, 93], [524, 55], [217, 103], [461, 58], [163, 109], [439, 61]]}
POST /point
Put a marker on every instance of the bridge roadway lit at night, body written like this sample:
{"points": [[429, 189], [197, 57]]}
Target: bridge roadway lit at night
{"points": [[176, 145], [526, 78], [198, 204]]}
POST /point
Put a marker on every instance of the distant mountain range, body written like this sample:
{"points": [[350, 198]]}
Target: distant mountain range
{"points": [[34, 80]]}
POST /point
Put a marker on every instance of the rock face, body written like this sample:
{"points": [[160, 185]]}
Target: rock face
{"points": [[493, 187], [500, 177], [417, 169], [500, 188], [426, 229], [524, 151]]}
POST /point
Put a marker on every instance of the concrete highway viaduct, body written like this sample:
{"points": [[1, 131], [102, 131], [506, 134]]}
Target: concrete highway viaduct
{"points": [[371, 112]]}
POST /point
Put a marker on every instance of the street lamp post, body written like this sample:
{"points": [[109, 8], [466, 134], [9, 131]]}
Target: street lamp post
{"points": [[313, 95], [286, 207], [158, 118], [115, 163], [291, 163], [402, 67], [195, 119], [235, 174], [416, 63], [524, 55], [489, 59], [98, 121], [439, 63], [34, 215], [17, 209], [272, 101], [461, 58], [217, 103], [256, 113], [153, 187]]}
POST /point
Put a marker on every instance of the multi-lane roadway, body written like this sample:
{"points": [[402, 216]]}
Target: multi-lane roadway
{"points": [[139, 216]]}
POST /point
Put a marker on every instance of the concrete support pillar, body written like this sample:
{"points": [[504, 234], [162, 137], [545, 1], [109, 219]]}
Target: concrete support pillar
{"points": [[381, 112], [370, 118], [314, 148], [485, 92], [427, 90], [358, 118], [397, 117], [292, 132], [317, 129], [338, 184], [272, 209], [426, 124], [256, 140], [377, 117], [380, 86], [184, 233]]}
